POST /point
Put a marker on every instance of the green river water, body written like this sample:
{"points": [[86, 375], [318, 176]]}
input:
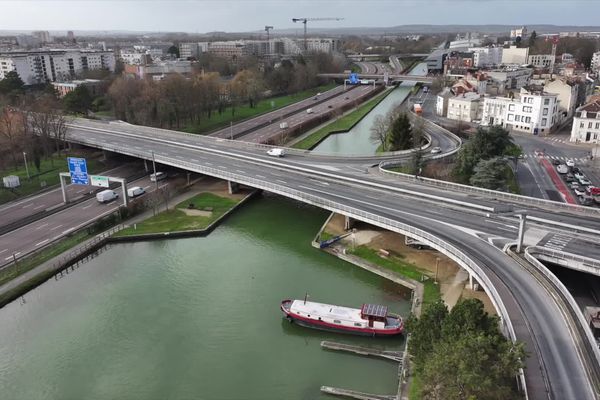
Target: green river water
{"points": [[196, 318]]}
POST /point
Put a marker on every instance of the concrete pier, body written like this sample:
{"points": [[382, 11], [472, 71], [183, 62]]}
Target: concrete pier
{"points": [[353, 394], [363, 351], [233, 187]]}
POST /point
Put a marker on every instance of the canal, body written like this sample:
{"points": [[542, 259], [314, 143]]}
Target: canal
{"points": [[357, 140], [196, 318]]}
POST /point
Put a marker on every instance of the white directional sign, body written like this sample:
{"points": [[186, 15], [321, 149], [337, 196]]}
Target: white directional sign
{"points": [[97, 180]]}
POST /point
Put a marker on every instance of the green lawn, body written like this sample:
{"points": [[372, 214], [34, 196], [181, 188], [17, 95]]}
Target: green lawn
{"points": [[175, 219], [343, 124], [222, 120], [396, 264], [47, 176]]}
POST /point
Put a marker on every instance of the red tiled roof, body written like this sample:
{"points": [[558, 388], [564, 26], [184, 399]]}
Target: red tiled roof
{"points": [[591, 107]]}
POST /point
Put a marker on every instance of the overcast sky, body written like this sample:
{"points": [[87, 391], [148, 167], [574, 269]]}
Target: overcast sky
{"points": [[251, 15]]}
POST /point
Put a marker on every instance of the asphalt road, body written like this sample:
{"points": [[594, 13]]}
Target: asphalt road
{"points": [[46, 201], [46, 230]]}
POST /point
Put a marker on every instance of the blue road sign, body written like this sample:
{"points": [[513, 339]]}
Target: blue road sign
{"points": [[78, 171], [353, 78]]}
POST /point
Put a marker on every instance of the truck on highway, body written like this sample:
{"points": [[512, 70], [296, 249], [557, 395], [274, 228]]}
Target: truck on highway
{"points": [[418, 109], [283, 125]]}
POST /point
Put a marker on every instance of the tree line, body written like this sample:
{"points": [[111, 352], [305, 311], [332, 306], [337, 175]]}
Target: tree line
{"points": [[31, 122]]}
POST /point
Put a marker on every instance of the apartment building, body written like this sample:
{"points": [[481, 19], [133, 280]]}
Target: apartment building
{"points": [[586, 123], [567, 91], [189, 50], [506, 79], [35, 67], [540, 60], [534, 112], [486, 56], [230, 49]]}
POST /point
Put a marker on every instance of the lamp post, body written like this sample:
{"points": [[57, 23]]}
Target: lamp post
{"points": [[154, 168], [231, 130], [26, 167]]}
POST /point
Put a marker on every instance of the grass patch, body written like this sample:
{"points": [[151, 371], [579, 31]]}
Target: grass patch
{"points": [[431, 291], [176, 219], [51, 251], [326, 236], [343, 124], [217, 121], [48, 176], [416, 386]]}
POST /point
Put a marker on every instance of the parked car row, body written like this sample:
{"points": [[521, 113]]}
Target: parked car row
{"points": [[579, 183]]}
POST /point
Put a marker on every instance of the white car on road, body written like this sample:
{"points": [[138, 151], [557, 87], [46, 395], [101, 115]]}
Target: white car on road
{"points": [[562, 169], [436, 150], [276, 152], [570, 163]]}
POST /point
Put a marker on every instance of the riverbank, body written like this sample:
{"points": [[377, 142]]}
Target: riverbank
{"points": [[341, 125], [426, 266], [205, 193]]}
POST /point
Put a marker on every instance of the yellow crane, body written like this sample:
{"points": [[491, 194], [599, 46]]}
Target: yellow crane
{"points": [[305, 20]]}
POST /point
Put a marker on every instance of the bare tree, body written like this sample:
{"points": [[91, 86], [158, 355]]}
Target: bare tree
{"points": [[11, 132], [379, 131], [58, 129]]}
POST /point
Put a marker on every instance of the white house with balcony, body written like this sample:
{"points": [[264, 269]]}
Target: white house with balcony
{"points": [[586, 124], [533, 112]]}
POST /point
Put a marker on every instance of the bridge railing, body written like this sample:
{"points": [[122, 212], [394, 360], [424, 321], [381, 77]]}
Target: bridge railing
{"points": [[591, 352], [494, 194]]}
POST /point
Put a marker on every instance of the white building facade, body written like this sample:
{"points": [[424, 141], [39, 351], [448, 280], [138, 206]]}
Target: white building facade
{"points": [[595, 65], [35, 67], [540, 60], [586, 124], [486, 56], [534, 112], [465, 107], [515, 55]]}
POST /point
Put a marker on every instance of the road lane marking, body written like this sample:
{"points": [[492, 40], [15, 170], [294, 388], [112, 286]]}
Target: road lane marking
{"points": [[42, 242], [68, 230], [207, 163], [86, 207], [27, 205], [260, 176], [56, 227], [240, 171], [279, 180], [40, 206], [41, 226], [220, 166]]}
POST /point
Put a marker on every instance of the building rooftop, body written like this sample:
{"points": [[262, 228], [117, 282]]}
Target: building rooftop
{"points": [[591, 107]]}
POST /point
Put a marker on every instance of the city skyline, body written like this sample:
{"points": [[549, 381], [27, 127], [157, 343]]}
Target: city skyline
{"points": [[233, 15]]}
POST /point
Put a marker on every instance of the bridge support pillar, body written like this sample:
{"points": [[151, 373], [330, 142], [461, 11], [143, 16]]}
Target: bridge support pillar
{"points": [[233, 187], [348, 223], [146, 165]]}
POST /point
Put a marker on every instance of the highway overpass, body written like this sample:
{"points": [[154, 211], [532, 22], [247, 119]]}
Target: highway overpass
{"points": [[391, 77], [461, 225]]}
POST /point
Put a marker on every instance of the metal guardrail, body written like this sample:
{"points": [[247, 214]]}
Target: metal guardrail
{"points": [[590, 265], [589, 342], [494, 194], [98, 240]]}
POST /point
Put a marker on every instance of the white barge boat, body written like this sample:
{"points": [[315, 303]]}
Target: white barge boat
{"points": [[369, 320]]}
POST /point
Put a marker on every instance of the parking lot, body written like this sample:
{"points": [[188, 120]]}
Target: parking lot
{"points": [[581, 186]]}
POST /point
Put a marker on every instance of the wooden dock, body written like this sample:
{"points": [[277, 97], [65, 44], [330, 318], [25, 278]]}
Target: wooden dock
{"points": [[364, 351], [353, 394]]}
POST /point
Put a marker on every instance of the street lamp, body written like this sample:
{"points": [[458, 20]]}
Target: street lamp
{"points": [[154, 168], [26, 167], [231, 130]]}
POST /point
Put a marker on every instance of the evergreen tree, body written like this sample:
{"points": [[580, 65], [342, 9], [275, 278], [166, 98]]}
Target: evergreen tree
{"points": [[78, 100], [532, 38], [401, 136], [12, 82]]}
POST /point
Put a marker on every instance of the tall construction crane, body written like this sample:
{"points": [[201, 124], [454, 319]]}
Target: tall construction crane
{"points": [[267, 29], [305, 20]]}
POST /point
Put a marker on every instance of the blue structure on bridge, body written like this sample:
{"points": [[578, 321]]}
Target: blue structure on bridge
{"points": [[353, 79]]}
